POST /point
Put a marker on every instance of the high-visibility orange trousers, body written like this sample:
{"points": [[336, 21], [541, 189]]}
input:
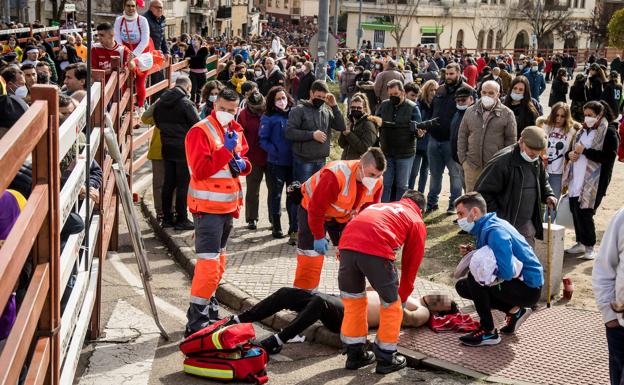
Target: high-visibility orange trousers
{"points": [[206, 278], [390, 318], [309, 268], [355, 323]]}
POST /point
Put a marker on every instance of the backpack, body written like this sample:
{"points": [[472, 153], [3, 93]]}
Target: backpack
{"points": [[225, 353]]}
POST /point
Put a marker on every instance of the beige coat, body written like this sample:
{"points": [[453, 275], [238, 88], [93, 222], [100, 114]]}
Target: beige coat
{"points": [[382, 80], [479, 140]]}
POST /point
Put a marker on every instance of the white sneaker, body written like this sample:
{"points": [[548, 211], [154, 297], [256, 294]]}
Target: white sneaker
{"points": [[576, 249], [589, 255]]}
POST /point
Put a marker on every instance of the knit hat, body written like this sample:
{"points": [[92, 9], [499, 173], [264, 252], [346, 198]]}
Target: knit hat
{"points": [[463, 92], [534, 137]]}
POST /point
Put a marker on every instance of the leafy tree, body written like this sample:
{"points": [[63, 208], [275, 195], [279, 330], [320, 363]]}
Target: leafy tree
{"points": [[616, 29]]}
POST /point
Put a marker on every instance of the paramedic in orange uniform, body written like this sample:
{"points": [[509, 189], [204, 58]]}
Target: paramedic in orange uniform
{"points": [[215, 151], [330, 199], [368, 249]]}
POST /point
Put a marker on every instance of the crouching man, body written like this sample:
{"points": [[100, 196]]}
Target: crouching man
{"points": [[513, 296]]}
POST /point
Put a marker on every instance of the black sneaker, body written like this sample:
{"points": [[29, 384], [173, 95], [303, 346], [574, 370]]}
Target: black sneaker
{"points": [[188, 332], [271, 345], [480, 337], [384, 367], [184, 225], [167, 223], [358, 356], [292, 238], [431, 209], [513, 321], [252, 225]]}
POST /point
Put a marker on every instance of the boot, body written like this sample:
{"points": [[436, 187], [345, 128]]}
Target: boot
{"points": [[277, 227], [398, 362], [358, 356]]}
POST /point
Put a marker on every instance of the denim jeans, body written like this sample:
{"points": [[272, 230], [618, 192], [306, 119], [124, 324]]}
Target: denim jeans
{"points": [[279, 178], [302, 171], [615, 342], [440, 156], [419, 167], [555, 184], [397, 174]]}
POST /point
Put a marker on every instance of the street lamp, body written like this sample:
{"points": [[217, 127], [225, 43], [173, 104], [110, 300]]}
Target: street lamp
{"points": [[359, 31]]}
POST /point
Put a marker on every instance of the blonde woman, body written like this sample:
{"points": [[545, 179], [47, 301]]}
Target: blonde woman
{"points": [[561, 130], [421, 161], [361, 131]]}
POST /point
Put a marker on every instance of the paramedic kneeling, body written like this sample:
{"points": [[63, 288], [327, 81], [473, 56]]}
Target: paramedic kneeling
{"points": [[513, 296]]}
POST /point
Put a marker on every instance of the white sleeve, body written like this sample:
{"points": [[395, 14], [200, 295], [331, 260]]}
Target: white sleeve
{"points": [[118, 30], [605, 266], [145, 36]]}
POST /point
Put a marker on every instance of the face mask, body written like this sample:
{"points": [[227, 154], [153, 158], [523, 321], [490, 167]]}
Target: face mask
{"points": [[521, 66], [465, 225], [21, 92], [356, 115], [526, 157], [318, 102], [494, 77], [534, 69], [516, 96], [350, 69], [212, 98], [240, 76], [396, 100], [281, 104], [378, 66], [258, 74], [590, 121], [224, 118], [487, 101], [369, 182], [460, 107]]}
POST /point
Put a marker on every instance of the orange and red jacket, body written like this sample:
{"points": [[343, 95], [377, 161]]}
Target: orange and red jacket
{"points": [[382, 229], [334, 193], [212, 188]]}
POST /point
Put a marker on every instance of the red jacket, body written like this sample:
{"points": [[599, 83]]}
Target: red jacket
{"points": [[382, 229], [481, 64], [326, 192], [251, 125], [471, 74]]}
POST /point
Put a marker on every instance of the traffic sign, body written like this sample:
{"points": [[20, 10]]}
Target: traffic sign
{"points": [[70, 8]]}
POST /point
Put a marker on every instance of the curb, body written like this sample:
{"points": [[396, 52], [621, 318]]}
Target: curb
{"points": [[229, 294]]}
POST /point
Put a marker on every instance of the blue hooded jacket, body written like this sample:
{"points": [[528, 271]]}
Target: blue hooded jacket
{"points": [[505, 241], [273, 140]]}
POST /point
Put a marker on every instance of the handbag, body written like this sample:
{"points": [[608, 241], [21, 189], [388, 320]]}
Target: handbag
{"points": [[564, 215]]}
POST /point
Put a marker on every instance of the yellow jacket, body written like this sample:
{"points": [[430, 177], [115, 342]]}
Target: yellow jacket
{"points": [[155, 147]]}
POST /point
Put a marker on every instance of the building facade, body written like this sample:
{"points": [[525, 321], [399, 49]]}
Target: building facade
{"points": [[493, 25]]}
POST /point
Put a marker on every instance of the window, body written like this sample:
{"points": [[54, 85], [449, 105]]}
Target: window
{"points": [[428, 38], [502, 2], [576, 3], [583, 4], [484, 1]]}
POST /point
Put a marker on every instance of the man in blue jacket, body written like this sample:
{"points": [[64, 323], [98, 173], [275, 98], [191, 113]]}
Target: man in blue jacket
{"points": [[536, 80], [515, 293]]}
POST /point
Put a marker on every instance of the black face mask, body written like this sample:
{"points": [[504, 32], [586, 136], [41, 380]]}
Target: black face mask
{"points": [[356, 114], [318, 103], [240, 76], [396, 100]]}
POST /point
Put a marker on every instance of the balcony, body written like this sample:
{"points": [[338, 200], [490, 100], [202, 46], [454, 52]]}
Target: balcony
{"points": [[224, 13], [201, 6], [295, 11]]}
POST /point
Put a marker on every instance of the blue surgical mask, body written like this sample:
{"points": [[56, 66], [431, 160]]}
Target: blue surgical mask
{"points": [[465, 225]]}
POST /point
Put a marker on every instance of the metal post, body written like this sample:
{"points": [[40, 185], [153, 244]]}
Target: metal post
{"points": [[359, 31], [7, 11], [88, 134], [323, 34], [336, 14]]}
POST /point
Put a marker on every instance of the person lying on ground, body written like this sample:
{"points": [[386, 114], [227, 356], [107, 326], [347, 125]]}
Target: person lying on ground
{"points": [[312, 307]]}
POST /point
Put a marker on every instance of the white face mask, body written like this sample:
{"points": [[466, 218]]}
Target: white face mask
{"points": [[21, 92], [495, 77], [465, 225], [369, 182], [259, 73], [487, 101], [212, 98], [281, 104], [590, 121], [460, 107], [526, 157], [515, 96], [534, 68], [224, 118]]}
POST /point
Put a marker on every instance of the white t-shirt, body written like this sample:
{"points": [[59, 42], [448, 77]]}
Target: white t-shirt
{"points": [[580, 166], [133, 33], [556, 151]]}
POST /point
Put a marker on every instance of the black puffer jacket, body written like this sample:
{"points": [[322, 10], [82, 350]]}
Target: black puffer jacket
{"points": [[444, 108], [501, 184], [174, 115]]}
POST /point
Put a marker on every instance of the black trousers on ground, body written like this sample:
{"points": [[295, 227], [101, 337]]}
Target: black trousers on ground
{"points": [[584, 227], [311, 307], [503, 297], [177, 178]]}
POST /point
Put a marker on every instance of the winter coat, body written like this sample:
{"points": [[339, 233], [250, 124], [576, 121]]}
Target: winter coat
{"points": [[368, 89], [426, 110], [558, 92], [479, 140], [593, 88], [363, 134], [303, 120], [174, 115], [536, 83], [251, 127], [276, 78], [455, 123], [524, 116], [303, 91], [501, 184], [157, 31], [382, 80], [273, 138], [612, 94], [444, 107], [347, 83]]}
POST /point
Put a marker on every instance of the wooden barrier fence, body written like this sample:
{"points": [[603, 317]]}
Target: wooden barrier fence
{"points": [[46, 343]]}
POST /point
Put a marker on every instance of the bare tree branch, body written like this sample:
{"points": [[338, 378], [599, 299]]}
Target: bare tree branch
{"points": [[401, 18], [544, 17]]}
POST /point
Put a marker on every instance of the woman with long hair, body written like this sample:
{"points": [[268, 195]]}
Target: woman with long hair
{"points": [[209, 94], [197, 54], [226, 74], [560, 129], [12, 46], [592, 157], [421, 160], [524, 107], [279, 158], [132, 30], [361, 130], [559, 90], [595, 82]]}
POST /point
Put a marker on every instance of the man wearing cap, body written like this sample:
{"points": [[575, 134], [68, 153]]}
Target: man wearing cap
{"points": [[514, 184]]}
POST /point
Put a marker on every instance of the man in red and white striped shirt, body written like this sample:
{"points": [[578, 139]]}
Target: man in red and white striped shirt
{"points": [[106, 48]]}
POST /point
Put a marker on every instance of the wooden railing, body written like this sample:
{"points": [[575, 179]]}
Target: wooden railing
{"points": [[52, 34], [43, 339]]}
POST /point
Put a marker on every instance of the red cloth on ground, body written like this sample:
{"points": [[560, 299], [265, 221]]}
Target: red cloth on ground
{"points": [[458, 322]]}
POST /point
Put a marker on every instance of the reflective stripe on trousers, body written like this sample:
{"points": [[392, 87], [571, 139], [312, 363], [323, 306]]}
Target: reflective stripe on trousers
{"points": [[355, 323], [309, 268], [207, 275], [390, 317]]}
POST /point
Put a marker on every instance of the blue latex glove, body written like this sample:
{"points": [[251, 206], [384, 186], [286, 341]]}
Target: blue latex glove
{"points": [[241, 164], [231, 139], [321, 246]]}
